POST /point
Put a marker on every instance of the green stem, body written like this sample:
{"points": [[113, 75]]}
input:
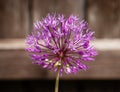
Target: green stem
{"points": [[57, 80]]}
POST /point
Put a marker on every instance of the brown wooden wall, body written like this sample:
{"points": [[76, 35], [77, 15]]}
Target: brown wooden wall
{"points": [[14, 18], [16, 21], [17, 16], [104, 17]]}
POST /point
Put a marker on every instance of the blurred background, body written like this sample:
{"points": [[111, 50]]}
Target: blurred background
{"points": [[18, 74]]}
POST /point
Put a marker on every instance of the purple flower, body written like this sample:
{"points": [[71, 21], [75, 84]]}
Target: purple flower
{"points": [[62, 42]]}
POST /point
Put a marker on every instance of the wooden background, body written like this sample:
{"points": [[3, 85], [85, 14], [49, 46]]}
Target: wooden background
{"points": [[16, 21]]}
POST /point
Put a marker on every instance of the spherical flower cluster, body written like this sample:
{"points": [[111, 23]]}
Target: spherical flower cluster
{"points": [[59, 42]]}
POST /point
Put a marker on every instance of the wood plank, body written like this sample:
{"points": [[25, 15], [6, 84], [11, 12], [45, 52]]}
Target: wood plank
{"points": [[105, 67], [42, 7], [99, 44], [12, 44], [14, 17], [104, 17], [15, 64]]}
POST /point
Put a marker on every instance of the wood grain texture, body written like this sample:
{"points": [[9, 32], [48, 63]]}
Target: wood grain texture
{"points": [[13, 18], [16, 64], [104, 17], [42, 7]]}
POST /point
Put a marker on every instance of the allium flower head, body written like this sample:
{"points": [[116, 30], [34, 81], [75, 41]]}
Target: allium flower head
{"points": [[62, 42]]}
